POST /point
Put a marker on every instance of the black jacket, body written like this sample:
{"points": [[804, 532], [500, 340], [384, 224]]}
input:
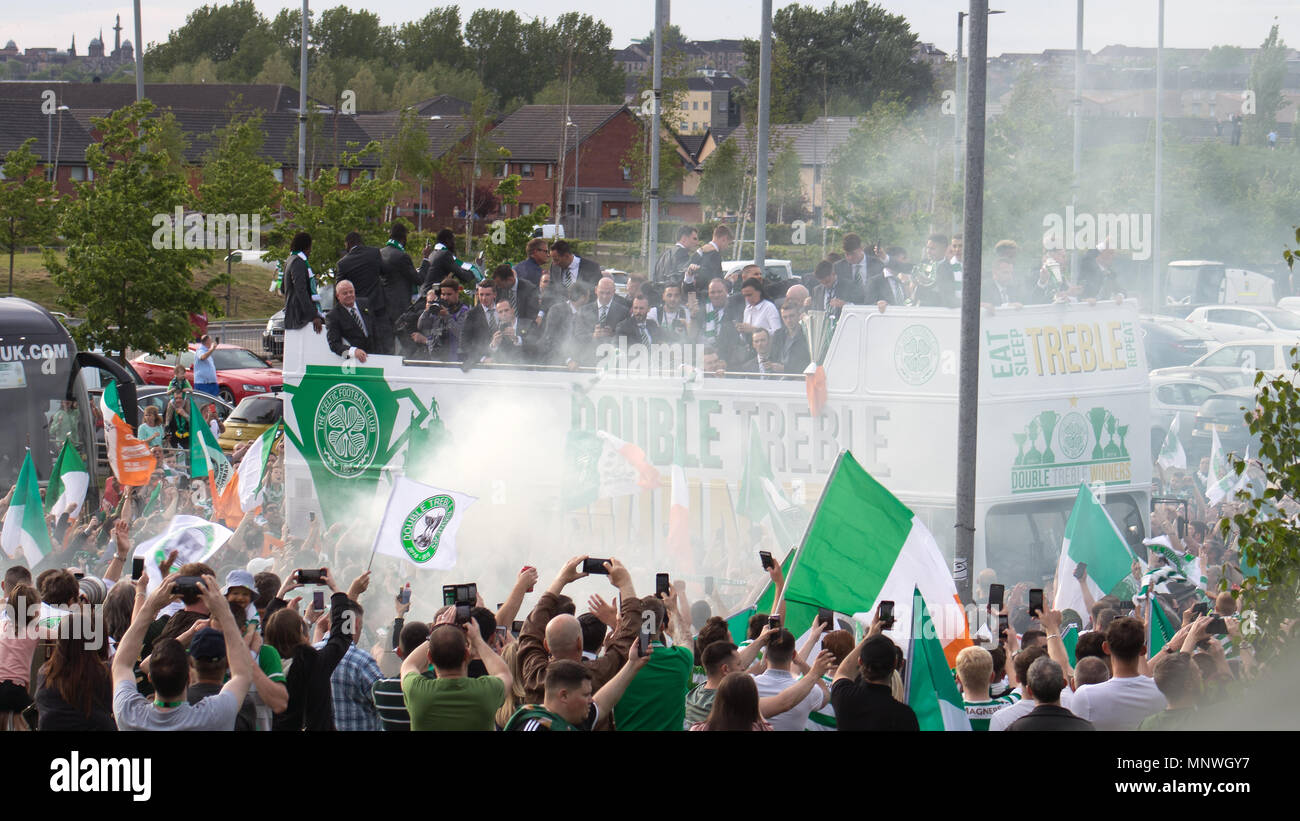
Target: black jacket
{"points": [[525, 353], [791, 349], [880, 288], [401, 282], [989, 293], [299, 308], [476, 334], [343, 332], [588, 272], [943, 293], [1050, 717], [441, 264], [671, 264], [527, 300], [845, 289], [585, 325], [363, 267], [311, 705], [860, 705], [628, 328]]}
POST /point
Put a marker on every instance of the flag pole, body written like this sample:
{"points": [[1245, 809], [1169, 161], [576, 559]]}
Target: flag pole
{"points": [[830, 478], [911, 652], [387, 505]]}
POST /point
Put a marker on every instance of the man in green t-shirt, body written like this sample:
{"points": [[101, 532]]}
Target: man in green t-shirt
{"points": [[568, 704], [656, 698], [453, 700]]}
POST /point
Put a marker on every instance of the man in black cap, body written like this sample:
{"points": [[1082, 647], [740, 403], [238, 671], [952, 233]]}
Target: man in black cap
{"points": [[208, 658], [868, 704]]}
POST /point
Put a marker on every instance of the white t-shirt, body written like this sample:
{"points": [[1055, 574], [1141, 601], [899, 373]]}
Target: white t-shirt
{"points": [[1007, 716], [1119, 703], [772, 683]]}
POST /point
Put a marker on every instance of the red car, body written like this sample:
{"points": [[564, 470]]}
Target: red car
{"points": [[240, 372]]}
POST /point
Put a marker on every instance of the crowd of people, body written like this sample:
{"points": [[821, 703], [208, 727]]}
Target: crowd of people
{"points": [[557, 308]]}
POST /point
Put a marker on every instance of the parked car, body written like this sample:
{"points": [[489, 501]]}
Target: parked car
{"points": [[1225, 414], [1231, 323], [240, 372], [1176, 397], [250, 418], [1269, 354], [273, 336], [1171, 342], [146, 395], [1221, 378]]}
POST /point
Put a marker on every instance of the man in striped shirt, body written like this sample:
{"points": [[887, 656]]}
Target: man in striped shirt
{"points": [[974, 668], [387, 692]]}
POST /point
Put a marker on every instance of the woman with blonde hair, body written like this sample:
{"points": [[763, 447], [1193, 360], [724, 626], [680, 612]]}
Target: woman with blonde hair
{"points": [[515, 693]]}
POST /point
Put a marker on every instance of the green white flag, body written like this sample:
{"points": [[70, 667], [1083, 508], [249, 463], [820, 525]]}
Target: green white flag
{"points": [[760, 496], [1092, 538], [68, 483], [863, 547], [1172, 454], [420, 524], [1070, 638], [1160, 630], [251, 472], [193, 538], [24, 531], [931, 692]]}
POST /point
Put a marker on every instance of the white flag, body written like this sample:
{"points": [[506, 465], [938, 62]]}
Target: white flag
{"points": [[194, 540], [1172, 454], [420, 524]]}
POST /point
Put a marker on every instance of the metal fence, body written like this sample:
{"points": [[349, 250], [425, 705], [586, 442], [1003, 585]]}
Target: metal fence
{"points": [[244, 334]]}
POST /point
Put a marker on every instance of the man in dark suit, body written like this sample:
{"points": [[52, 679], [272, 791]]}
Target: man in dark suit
{"points": [[638, 327], [595, 322], [537, 262], [569, 267], [1097, 274], [558, 326], [363, 267], [351, 324], [941, 290], [886, 287], [706, 262], [520, 293], [673, 261], [789, 344], [1045, 682], [440, 262], [480, 324], [301, 301], [401, 282], [715, 324], [514, 341], [1001, 289], [833, 293], [853, 268]]}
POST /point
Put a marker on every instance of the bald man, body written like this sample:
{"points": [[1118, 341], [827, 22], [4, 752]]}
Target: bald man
{"points": [[797, 295], [548, 635]]}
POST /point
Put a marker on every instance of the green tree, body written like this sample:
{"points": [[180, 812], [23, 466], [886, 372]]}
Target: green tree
{"points": [[436, 37], [237, 179], [28, 208], [216, 32], [784, 185], [276, 69], [134, 294], [518, 230], [1222, 58], [406, 154], [851, 55], [1267, 73], [329, 212], [722, 180], [343, 33]]}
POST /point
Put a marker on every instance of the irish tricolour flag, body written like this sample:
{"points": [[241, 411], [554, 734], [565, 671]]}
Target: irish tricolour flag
{"points": [[130, 459], [599, 465], [24, 532], [208, 461], [863, 547], [1092, 539], [251, 473], [931, 692], [68, 483]]}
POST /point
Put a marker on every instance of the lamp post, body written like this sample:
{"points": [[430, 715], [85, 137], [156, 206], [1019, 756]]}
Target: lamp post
{"points": [[231, 258], [959, 146], [59, 146], [577, 169]]}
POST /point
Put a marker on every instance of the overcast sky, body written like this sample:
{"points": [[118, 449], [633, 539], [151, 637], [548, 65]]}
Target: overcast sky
{"points": [[1028, 25]]}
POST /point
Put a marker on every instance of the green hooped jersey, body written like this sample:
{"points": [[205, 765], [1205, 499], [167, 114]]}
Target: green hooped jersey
{"points": [[534, 717]]}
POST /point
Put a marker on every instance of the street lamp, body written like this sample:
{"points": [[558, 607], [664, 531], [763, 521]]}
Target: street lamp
{"points": [[577, 169], [957, 113], [59, 147], [232, 257]]}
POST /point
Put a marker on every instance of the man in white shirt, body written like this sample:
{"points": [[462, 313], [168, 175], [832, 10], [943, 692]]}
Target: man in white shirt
{"points": [[779, 656], [759, 312], [1128, 696]]}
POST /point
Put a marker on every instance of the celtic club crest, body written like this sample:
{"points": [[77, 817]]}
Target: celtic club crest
{"points": [[346, 428], [916, 355], [1074, 436], [423, 527]]}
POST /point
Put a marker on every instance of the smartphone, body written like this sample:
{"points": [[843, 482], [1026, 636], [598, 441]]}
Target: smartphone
{"points": [[1201, 609], [502, 632], [1035, 601], [774, 621], [137, 567], [885, 613], [594, 567], [766, 559], [643, 642], [310, 576], [1003, 623], [311, 515], [996, 592], [318, 600], [463, 613], [185, 585], [708, 585], [458, 594], [1218, 627], [404, 595], [1081, 571], [516, 627], [662, 585], [1127, 606], [826, 617]]}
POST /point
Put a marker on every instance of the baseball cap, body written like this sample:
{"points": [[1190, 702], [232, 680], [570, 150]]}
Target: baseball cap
{"points": [[239, 578], [256, 566], [208, 644]]}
